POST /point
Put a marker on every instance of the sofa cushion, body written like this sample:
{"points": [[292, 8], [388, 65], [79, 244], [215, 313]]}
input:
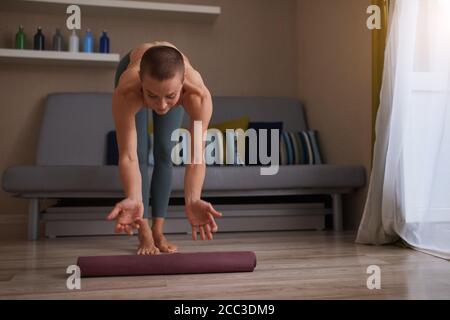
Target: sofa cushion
{"points": [[290, 111], [74, 129], [81, 141], [27, 179], [288, 177]]}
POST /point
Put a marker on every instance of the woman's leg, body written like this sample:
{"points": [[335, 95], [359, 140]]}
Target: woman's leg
{"points": [[161, 184]]}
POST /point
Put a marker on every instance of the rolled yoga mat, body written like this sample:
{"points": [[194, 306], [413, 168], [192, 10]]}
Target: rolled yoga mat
{"points": [[167, 263]]}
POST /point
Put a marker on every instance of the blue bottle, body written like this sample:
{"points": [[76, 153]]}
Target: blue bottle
{"points": [[104, 42], [88, 42]]}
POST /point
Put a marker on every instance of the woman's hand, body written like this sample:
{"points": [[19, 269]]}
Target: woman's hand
{"points": [[201, 216], [128, 213]]}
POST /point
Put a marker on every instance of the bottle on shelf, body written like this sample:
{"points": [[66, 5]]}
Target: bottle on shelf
{"points": [[57, 40], [88, 41], [20, 39], [74, 42], [39, 40], [104, 42]]}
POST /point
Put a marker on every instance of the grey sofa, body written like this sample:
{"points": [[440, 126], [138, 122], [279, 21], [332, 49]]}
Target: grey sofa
{"points": [[71, 161]]}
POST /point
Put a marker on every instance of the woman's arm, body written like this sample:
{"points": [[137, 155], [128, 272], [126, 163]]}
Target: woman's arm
{"points": [[200, 213], [200, 108], [128, 212], [124, 110]]}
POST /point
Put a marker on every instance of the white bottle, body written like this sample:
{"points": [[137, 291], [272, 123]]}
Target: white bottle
{"points": [[74, 42]]}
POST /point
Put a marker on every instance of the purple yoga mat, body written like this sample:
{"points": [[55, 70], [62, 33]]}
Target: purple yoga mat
{"points": [[167, 263]]}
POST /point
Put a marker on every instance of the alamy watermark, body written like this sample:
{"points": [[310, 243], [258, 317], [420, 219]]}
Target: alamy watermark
{"points": [[74, 19], [73, 281], [374, 280], [374, 20], [235, 145]]}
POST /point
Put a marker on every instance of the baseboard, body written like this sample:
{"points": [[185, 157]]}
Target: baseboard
{"points": [[76, 221], [174, 225]]}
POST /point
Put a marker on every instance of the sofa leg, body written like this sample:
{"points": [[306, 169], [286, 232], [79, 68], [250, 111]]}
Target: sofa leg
{"points": [[33, 219], [337, 212]]}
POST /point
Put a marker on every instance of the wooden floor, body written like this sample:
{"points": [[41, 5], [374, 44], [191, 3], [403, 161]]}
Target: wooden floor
{"points": [[290, 265]]}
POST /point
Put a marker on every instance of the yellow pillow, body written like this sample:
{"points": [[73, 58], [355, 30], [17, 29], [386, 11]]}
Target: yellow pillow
{"points": [[239, 123], [150, 127]]}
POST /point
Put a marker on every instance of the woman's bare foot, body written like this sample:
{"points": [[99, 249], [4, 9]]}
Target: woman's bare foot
{"points": [[146, 243], [162, 243]]}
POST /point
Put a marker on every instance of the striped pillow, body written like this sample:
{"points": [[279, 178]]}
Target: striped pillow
{"points": [[299, 148]]}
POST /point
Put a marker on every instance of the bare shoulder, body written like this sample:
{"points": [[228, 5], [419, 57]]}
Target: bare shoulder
{"points": [[129, 81], [194, 87], [125, 104], [198, 103]]}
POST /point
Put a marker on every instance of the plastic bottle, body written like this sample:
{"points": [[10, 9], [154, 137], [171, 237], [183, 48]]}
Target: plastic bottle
{"points": [[104, 42], [57, 41], [74, 42], [39, 40], [20, 38], [88, 41]]}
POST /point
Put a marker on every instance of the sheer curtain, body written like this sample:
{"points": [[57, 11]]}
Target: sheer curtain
{"points": [[409, 190]]}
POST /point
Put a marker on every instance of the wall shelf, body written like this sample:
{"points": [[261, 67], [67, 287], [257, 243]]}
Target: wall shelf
{"points": [[59, 57], [109, 6]]}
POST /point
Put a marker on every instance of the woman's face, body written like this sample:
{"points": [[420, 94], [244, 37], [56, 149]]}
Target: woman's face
{"points": [[161, 96]]}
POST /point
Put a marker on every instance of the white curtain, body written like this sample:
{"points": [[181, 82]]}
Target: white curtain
{"points": [[409, 190]]}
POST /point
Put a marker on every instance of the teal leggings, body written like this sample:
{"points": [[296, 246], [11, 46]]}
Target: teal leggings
{"points": [[163, 125]]}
